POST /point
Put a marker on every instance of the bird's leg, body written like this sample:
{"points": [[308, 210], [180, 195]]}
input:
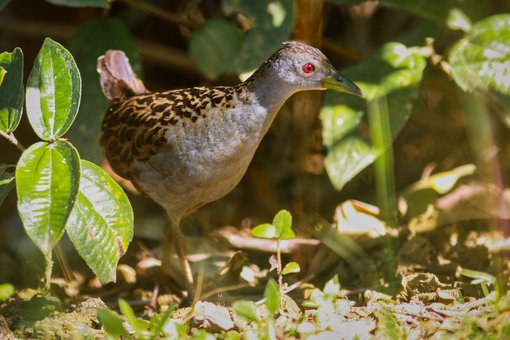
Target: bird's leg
{"points": [[180, 247]]}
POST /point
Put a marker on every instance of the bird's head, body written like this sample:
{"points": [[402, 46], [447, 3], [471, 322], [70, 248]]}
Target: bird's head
{"points": [[307, 68]]}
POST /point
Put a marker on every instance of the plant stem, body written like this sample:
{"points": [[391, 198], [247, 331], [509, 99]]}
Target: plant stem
{"points": [[48, 270], [159, 12], [279, 259], [10, 137]]}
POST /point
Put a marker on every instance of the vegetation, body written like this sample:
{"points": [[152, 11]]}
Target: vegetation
{"points": [[414, 174]]}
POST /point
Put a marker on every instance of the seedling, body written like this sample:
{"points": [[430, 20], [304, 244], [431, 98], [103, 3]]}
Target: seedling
{"points": [[113, 323], [280, 229]]}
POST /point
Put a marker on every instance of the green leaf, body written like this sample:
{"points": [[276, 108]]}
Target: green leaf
{"points": [[388, 327], [282, 220], [214, 46], [53, 91], [101, 222], [2, 75], [273, 21], [291, 267], [393, 73], [47, 182], [283, 225], [6, 291], [112, 322], [265, 230], [457, 20], [139, 326], [7, 182], [332, 287], [89, 42], [11, 90], [246, 310], [445, 181], [272, 295], [82, 3], [482, 58], [160, 321]]}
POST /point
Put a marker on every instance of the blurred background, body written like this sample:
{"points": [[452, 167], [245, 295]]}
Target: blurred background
{"points": [[412, 178]]}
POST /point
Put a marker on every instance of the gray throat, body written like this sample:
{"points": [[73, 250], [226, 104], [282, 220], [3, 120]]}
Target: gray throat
{"points": [[270, 92]]}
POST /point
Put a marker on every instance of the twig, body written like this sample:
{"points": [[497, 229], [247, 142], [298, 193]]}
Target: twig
{"points": [[152, 52], [10, 137], [159, 12], [215, 291]]}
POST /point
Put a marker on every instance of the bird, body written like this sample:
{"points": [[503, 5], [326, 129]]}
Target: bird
{"points": [[185, 148]]}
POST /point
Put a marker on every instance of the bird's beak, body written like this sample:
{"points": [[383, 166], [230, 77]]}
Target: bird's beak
{"points": [[340, 83]]}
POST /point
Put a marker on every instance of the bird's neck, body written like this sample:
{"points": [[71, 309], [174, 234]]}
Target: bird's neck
{"points": [[268, 91]]}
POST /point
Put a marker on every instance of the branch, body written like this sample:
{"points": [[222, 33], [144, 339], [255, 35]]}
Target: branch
{"points": [[159, 12], [10, 137]]}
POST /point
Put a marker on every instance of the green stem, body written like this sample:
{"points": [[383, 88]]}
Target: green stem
{"points": [[48, 270], [279, 259]]}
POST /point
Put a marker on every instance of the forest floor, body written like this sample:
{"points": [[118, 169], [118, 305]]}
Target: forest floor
{"points": [[446, 286]]}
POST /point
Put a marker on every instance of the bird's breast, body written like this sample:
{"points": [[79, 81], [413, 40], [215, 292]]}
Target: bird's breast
{"points": [[205, 160]]}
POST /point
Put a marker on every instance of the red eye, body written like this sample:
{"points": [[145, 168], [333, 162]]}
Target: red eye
{"points": [[308, 68]]}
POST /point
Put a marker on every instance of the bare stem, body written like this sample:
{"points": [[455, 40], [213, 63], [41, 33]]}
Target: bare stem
{"points": [[215, 291], [158, 12], [10, 137]]}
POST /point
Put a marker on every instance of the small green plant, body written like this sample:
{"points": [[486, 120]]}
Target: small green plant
{"points": [[485, 279], [114, 324], [58, 191], [280, 229]]}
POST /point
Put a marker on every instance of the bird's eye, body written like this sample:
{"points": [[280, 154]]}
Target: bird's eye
{"points": [[308, 68]]}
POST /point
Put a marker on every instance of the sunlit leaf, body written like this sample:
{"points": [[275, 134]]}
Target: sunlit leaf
{"points": [[53, 91], [283, 225], [457, 20], [291, 267], [47, 182], [81, 3], [352, 219], [214, 47], [11, 90], [394, 73], [101, 222], [388, 327], [272, 295], [2, 75], [282, 220], [7, 182], [443, 182], [246, 310], [482, 58], [332, 287], [265, 230], [86, 45], [6, 291], [112, 322]]}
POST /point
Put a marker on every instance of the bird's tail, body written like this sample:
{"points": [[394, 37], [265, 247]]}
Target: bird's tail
{"points": [[117, 78]]}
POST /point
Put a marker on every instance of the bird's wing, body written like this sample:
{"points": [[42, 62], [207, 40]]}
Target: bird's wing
{"points": [[137, 128]]}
